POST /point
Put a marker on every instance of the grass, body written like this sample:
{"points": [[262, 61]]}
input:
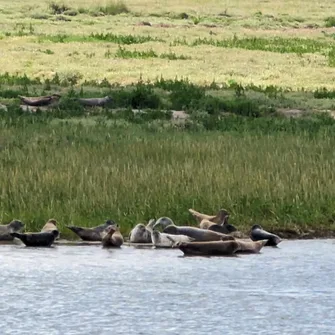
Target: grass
{"points": [[78, 173]]}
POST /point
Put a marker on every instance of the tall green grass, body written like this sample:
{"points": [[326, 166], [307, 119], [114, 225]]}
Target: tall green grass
{"points": [[85, 172]]}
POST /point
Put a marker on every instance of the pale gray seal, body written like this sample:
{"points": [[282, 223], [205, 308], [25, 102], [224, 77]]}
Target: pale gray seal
{"points": [[218, 218], [141, 233], [163, 240], [112, 237], [37, 239], [91, 234], [250, 247], [94, 102], [13, 227], [50, 226], [258, 233], [212, 248], [193, 232]]}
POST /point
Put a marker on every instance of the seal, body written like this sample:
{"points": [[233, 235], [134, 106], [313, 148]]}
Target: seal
{"points": [[50, 226], [224, 227], [14, 226], [141, 233], [218, 218], [40, 101], [258, 233], [112, 237], [37, 239], [250, 247], [95, 102], [163, 240], [196, 233], [212, 248], [91, 234]]}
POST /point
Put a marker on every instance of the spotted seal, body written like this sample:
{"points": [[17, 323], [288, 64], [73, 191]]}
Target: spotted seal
{"points": [[258, 233], [141, 233], [91, 234], [163, 240], [193, 232], [37, 239], [14, 226], [250, 247]]}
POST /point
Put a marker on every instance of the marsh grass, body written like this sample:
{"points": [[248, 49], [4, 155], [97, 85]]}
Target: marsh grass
{"points": [[330, 21], [276, 44], [113, 8], [127, 54], [83, 173], [94, 37]]}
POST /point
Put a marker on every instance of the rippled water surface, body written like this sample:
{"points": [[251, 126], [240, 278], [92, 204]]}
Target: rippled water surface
{"points": [[90, 290]]}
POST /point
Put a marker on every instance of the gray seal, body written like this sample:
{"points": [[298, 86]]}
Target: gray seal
{"points": [[196, 233], [141, 233], [91, 234], [37, 239], [258, 233], [163, 240], [14, 226]]}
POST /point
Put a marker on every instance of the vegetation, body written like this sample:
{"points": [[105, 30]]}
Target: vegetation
{"points": [[254, 90]]}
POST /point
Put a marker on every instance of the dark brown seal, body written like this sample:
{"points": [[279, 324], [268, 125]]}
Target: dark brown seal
{"points": [[91, 234], [258, 233], [213, 248], [37, 239]]}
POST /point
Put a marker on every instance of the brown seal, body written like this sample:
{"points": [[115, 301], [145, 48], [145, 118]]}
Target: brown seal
{"points": [[112, 237], [213, 248], [14, 226], [91, 234], [40, 101], [37, 239], [218, 218]]}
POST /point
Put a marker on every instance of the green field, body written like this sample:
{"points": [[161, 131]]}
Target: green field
{"points": [[253, 80]]}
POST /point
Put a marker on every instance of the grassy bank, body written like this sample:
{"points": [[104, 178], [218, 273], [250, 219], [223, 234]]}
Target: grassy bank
{"points": [[83, 171]]}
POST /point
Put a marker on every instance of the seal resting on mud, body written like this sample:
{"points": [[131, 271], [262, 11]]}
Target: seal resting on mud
{"points": [[250, 247], [258, 233], [163, 240], [218, 218], [37, 239], [50, 226], [212, 248], [40, 101], [141, 233], [112, 237], [91, 234], [193, 232], [13, 227]]}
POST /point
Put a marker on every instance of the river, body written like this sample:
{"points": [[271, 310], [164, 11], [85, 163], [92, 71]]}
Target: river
{"points": [[70, 290]]}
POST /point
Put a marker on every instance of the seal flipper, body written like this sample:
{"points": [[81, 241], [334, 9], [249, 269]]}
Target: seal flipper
{"points": [[75, 229]]}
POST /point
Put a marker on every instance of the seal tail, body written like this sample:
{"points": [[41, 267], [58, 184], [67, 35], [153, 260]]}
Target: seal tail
{"points": [[198, 216]]}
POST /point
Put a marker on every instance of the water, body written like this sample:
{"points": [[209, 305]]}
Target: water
{"points": [[89, 290]]}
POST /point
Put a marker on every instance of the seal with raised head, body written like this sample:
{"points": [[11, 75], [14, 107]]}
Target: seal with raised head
{"points": [[141, 233], [112, 237], [163, 240], [250, 247], [91, 234], [224, 227], [14, 226], [210, 248], [218, 218], [37, 239], [193, 232], [50, 226], [258, 233]]}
